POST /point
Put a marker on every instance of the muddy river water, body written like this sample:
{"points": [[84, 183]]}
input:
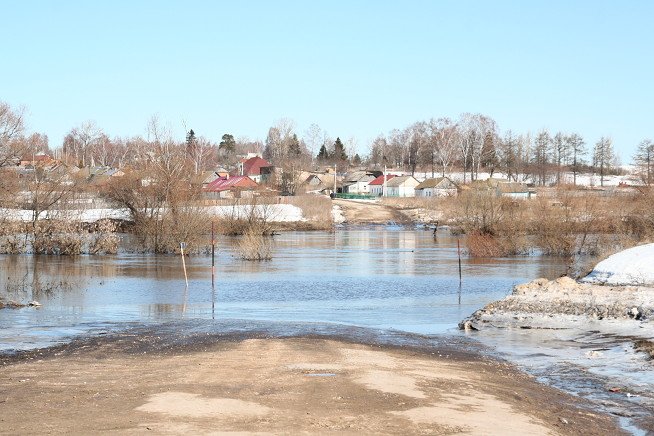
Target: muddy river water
{"points": [[384, 278]]}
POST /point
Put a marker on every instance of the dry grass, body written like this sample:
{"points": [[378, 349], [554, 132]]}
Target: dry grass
{"points": [[565, 223], [317, 209], [432, 203]]}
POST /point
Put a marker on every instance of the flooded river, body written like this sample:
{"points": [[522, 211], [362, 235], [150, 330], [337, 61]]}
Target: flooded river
{"points": [[391, 279], [400, 279]]}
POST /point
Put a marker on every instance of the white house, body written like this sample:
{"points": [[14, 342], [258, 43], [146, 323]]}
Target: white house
{"points": [[357, 182], [438, 187], [401, 186], [376, 187]]}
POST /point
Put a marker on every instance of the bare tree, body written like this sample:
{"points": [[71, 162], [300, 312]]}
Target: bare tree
{"points": [[643, 159], [38, 143], [81, 141], [281, 141], [603, 156], [540, 158], [443, 136], [475, 130], [560, 153], [312, 138], [397, 140], [417, 141], [509, 155], [11, 130], [377, 156], [47, 190], [577, 150]]}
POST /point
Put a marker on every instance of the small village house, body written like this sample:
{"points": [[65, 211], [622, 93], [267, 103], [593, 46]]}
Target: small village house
{"points": [[203, 178], [437, 187], [257, 168], [358, 182], [503, 188], [401, 186], [376, 187], [320, 183], [230, 187]]}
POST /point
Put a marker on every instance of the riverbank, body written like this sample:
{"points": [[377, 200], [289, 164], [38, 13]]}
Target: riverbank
{"points": [[606, 317], [169, 383]]}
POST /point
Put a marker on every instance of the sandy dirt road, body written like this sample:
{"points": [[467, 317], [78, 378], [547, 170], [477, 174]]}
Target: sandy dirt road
{"points": [[278, 386]]}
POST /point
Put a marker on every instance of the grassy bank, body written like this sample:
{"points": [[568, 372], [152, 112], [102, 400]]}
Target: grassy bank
{"points": [[560, 222]]}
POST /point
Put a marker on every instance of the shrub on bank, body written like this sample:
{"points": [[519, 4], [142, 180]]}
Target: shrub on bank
{"points": [[566, 223]]}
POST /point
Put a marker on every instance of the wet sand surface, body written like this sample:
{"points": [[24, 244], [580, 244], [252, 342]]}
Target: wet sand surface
{"points": [[166, 383]]}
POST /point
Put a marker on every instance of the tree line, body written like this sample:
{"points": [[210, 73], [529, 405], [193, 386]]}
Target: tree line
{"points": [[472, 143]]}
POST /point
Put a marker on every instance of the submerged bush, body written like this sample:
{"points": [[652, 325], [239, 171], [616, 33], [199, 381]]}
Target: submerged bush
{"points": [[104, 239], [58, 237], [254, 246], [162, 232]]}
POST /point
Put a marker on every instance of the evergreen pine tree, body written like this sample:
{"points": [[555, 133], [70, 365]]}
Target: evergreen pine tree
{"points": [[339, 150], [228, 143], [294, 149], [191, 142], [323, 154]]}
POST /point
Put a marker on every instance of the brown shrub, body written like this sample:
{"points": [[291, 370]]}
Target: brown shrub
{"points": [[484, 245], [13, 238], [58, 237], [103, 239], [164, 232], [255, 217], [254, 246]]}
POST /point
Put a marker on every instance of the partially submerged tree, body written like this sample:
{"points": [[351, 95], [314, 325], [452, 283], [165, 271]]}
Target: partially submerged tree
{"points": [[159, 194]]}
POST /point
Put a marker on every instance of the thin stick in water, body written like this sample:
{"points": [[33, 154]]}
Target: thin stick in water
{"points": [[458, 249], [181, 246]]}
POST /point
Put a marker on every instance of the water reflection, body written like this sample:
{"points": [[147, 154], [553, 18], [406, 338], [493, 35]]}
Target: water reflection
{"points": [[403, 279]]}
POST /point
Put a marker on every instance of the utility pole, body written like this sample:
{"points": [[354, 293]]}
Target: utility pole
{"points": [[334, 180], [384, 186]]}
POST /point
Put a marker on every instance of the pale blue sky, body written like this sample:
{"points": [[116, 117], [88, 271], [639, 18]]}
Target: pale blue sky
{"points": [[356, 68]]}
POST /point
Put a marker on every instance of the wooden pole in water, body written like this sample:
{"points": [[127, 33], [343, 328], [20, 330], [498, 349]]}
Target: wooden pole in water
{"points": [[213, 255], [181, 246], [458, 249]]}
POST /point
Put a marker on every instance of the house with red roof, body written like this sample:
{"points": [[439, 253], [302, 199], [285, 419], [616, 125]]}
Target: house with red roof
{"points": [[229, 187], [376, 187], [257, 168], [38, 159]]}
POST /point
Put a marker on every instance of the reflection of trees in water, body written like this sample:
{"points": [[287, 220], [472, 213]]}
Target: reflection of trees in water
{"points": [[31, 287], [37, 277], [161, 310]]}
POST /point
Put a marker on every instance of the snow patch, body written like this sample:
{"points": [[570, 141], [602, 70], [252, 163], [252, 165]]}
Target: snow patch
{"points": [[634, 266], [337, 215], [281, 213]]}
